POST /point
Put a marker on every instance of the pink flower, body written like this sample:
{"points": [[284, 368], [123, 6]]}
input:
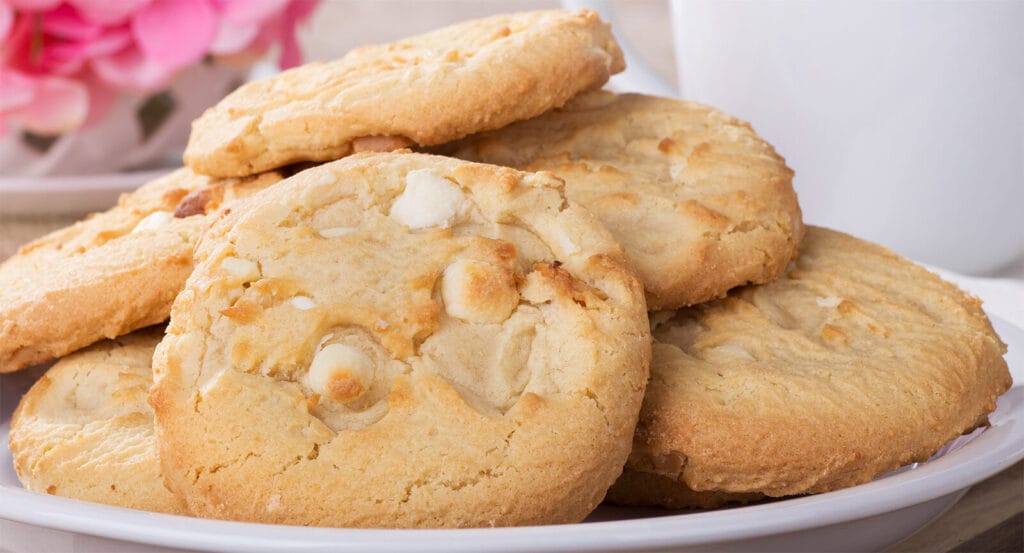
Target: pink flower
{"points": [[62, 63], [107, 12], [6, 20], [175, 33], [33, 5], [45, 105], [241, 22]]}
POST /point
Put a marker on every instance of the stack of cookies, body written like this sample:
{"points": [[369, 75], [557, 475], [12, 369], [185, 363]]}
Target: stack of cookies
{"points": [[449, 282]]}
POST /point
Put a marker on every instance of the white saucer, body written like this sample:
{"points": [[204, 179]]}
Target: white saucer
{"points": [[71, 194]]}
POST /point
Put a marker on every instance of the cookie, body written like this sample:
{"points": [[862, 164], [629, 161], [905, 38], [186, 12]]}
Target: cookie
{"points": [[111, 273], [852, 364], [428, 89], [85, 431], [402, 340], [701, 203]]}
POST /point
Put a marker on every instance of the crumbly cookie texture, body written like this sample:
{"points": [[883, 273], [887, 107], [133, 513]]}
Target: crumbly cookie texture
{"points": [[429, 89], [113, 272], [403, 340], [85, 431], [852, 364], [701, 203]]}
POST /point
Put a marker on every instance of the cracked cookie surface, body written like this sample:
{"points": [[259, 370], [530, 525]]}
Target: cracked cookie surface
{"points": [[701, 203], [854, 363], [428, 89], [110, 273], [402, 340], [85, 431]]}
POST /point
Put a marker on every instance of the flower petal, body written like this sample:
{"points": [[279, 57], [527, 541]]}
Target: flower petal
{"points": [[62, 58], [59, 106], [66, 23], [107, 12], [298, 11], [17, 47], [291, 54], [175, 33], [249, 11], [128, 68], [16, 89], [33, 5], [233, 37], [101, 98], [6, 20], [112, 40], [282, 30]]}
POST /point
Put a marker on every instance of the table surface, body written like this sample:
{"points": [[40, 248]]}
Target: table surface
{"points": [[990, 517]]}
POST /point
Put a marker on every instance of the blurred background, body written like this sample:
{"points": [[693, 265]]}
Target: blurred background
{"points": [[340, 25]]}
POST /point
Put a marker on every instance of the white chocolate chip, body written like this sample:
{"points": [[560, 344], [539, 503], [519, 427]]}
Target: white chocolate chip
{"points": [[734, 350], [241, 268], [340, 372], [566, 244], [676, 171], [830, 302], [304, 303], [429, 200], [478, 292], [321, 178], [334, 232], [153, 221]]}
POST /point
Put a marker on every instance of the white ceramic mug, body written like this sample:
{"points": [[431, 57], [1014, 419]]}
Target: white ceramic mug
{"points": [[904, 121]]}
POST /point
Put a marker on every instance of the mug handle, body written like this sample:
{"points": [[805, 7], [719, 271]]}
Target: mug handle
{"points": [[638, 76]]}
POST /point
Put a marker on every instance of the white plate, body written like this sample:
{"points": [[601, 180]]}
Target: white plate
{"points": [[71, 194], [867, 517]]}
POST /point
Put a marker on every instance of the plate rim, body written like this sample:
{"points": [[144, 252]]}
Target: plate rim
{"points": [[50, 185]]}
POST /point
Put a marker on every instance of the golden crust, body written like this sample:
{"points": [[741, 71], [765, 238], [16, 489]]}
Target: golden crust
{"points": [[106, 275], [429, 89], [852, 364], [84, 430], [701, 203], [457, 423]]}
